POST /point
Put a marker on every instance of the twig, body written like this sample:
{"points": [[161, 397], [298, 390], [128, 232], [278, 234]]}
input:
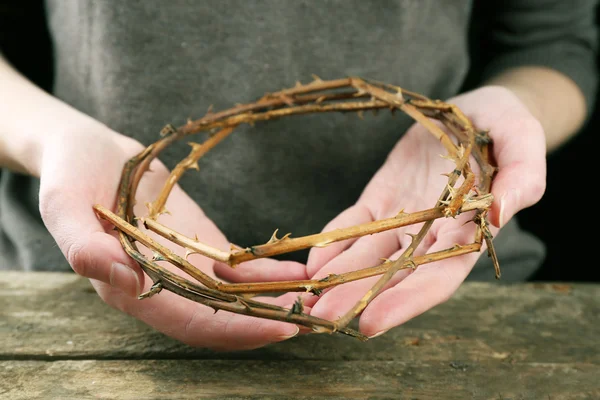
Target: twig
{"points": [[319, 96]]}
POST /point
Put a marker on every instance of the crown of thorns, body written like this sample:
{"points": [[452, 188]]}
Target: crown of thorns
{"points": [[353, 94]]}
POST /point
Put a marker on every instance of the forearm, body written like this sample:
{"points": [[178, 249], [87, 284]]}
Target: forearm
{"points": [[554, 99], [28, 117]]}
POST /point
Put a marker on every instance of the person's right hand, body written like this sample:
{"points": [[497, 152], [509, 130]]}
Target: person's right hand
{"points": [[81, 168]]}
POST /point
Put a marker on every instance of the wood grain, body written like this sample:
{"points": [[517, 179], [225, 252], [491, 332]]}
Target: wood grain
{"points": [[490, 341]]}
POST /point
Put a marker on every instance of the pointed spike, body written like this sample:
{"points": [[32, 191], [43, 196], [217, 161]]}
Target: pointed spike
{"points": [[451, 190], [297, 307], [194, 165], [399, 94], [155, 289], [287, 100], [361, 114], [274, 237], [322, 244], [189, 252], [412, 235], [168, 130], [156, 256], [316, 78]]}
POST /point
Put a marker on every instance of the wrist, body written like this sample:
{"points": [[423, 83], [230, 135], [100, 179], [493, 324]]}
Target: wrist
{"points": [[29, 119], [551, 97]]}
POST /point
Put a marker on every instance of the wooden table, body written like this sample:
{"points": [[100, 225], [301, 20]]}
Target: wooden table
{"points": [[58, 340]]}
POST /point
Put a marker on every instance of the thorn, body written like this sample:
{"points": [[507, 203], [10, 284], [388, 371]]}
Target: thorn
{"points": [[320, 99], [328, 277], [189, 252], [449, 157], [297, 307], [324, 243], [361, 114], [155, 289], [451, 190], [316, 78], [298, 84], [195, 146], [168, 130], [194, 165], [399, 94], [156, 256], [411, 264], [273, 237], [400, 214], [386, 260], [234, 247], [209, 110], [359, 92], [287, 100], [412, 235]]}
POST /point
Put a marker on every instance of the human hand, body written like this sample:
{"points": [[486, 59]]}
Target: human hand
{"points": [[81, 168], [411, 179]]}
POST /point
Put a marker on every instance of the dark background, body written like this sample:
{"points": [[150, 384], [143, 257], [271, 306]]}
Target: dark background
{"points": [[563, 219]]}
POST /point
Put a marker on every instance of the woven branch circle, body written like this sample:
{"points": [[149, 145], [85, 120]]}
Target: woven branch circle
{"points": [[319, 96]]}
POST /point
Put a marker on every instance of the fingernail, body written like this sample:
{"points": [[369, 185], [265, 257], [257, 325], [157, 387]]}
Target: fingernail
{"points": [[378, 333], [285, 337], [507, 202], [124, 278]]}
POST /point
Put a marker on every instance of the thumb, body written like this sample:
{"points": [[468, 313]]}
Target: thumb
{"points": [[81, 236], [521, 178]]}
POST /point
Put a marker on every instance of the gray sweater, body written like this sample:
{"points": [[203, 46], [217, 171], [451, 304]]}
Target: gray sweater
{"points": [[138, 65]]}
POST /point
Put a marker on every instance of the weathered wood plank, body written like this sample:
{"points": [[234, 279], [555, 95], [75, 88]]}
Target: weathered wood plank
{"points": [[51, 316], [301, 379]]}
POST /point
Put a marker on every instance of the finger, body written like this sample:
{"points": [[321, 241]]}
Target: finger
{"points": [[89, 250], [262, 270], [426, 287], [366, 252], [198, 325], [519, 147], [521, 178], [318, 257]]}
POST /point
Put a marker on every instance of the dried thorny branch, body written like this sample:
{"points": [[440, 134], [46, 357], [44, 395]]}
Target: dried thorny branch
{"points": [[341, 95]]}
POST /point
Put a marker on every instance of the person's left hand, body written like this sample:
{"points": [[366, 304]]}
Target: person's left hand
{"points": [[411, 179]]}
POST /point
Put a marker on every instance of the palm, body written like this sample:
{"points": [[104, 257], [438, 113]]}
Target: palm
{"points": [[91, 245], [411, 179]]}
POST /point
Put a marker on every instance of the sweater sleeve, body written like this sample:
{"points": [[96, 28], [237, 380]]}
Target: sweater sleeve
{"points": [[557, 34]]}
